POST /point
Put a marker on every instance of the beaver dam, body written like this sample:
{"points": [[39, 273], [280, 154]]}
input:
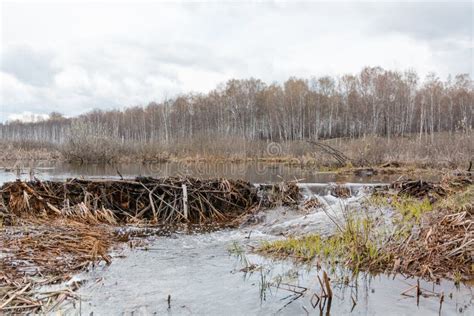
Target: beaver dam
{"points": [[78, 245], [166, 200]]}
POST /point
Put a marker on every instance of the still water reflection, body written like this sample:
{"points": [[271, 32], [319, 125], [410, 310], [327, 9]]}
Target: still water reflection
{"points": [[254, 172]]}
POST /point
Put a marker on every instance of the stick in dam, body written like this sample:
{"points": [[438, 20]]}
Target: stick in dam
{"points": [[185, 201]]}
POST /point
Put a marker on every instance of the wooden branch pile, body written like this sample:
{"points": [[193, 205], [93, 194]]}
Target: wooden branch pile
{"points": [[433, 191], [280, 194], [47, 253], [163, 200], [419, 189], [341, 192], [443, 244], [63, 229]]}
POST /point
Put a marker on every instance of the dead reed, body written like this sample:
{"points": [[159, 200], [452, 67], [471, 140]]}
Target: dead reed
{"points": [[444, 150], [443, 244], [443, 248], [40, 254]]}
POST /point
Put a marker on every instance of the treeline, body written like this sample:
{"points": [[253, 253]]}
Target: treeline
{"points": [[373, 102]]}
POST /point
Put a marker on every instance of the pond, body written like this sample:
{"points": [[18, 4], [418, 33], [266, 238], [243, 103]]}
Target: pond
{"points": [[203, 278], [217, 273]]}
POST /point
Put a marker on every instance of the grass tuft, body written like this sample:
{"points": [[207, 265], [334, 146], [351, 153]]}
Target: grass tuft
{"points": [[356, 244], [409, 207]]}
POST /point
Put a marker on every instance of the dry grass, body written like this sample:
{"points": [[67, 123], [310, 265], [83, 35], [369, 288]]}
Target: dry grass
{"points": [[443, 247], [43, 253], [443, 150], [14, 151], [444, 243]]}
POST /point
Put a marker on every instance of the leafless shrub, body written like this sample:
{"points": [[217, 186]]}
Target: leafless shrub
{"points": [[87, 142]]}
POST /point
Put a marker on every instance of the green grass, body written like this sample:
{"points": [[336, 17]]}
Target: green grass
{"points": [[410, 208], [356, 244]]}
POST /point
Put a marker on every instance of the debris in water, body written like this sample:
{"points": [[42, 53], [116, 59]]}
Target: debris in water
{"points": [[420, 189], [43, 254], [341, 192], [312, 203], [283, 193]]}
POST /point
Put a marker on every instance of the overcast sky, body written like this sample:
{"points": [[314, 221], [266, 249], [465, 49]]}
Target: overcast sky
{"points": [[73, 57]]}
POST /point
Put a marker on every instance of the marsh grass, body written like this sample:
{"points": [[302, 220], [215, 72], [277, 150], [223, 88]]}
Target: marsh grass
{"points": [[239, 252], [462, 201], [420, 238], [443, 151], [357, 244], [409, 208]]}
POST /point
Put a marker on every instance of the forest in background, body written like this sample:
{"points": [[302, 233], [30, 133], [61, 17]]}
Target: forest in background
{"points": [[374, 103]]}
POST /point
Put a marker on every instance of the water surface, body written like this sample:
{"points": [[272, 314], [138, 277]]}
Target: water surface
{"points": [[255, 172]]}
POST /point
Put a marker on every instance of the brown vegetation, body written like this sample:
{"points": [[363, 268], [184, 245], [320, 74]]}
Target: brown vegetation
{"points": [[41, 253], [445, 151], [443, 246], [375, 113], [431, 240], [284, 193]]}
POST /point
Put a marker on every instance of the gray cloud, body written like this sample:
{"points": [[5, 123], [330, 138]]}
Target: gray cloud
{"points": [[428, 21], [446, 27], [27, 65], [83, 56]]}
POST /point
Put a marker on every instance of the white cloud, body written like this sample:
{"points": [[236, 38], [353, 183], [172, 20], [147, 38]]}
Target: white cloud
{"points": [[14, 91], [72, 78], [27, 117], [72, 57]]}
